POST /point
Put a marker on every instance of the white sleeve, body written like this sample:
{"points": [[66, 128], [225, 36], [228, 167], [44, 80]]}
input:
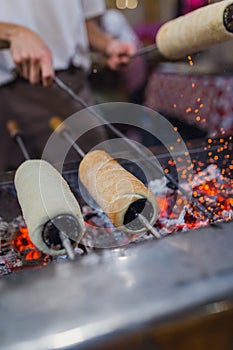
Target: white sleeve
{"points": [[93, 8]]}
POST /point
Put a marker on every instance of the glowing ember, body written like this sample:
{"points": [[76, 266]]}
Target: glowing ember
{"points": [[21, 252], [23, 244], [212, 187]]}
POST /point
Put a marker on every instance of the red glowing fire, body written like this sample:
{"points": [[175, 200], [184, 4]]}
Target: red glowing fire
{"points": [[216, 195], [25, 247], [213, 191]]}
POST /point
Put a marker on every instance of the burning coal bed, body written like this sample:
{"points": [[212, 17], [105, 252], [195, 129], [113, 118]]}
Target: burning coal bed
{"points": [[210, 187]]}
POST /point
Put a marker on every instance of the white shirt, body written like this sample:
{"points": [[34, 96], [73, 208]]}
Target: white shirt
{"points": [[60, 23], [116, 25]]}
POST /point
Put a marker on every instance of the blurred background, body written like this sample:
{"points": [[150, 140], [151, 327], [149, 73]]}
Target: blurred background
{"points": [[194, 93]]}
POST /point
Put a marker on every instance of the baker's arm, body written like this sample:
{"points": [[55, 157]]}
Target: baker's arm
{"points": [[117, 51], [32, 57]]}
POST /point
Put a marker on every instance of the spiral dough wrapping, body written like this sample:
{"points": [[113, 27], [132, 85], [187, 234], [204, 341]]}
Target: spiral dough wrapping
{"points": [[114, 188], [43, 194], [196, 31]]}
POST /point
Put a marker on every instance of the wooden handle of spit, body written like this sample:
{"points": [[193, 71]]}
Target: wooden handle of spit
{"points": [[56, 124], [13, 128], [196, 31]]}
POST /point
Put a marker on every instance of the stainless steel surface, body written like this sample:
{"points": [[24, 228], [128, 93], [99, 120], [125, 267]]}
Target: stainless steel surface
{"points": [[110, 293], [101, 296]]}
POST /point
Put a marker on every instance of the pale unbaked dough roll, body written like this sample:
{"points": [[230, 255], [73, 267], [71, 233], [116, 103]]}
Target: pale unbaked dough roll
{"points": [[116, 191], [43, 194], [194, 32]]}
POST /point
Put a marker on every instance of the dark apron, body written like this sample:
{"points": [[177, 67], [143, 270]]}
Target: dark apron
{"points": [[32, 106]]}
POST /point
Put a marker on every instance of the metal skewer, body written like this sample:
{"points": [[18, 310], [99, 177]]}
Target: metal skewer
{"points": [[169, 34], [118, 133], [144, 50], [148, 225], [67, 245], [57, 125], [17, 135]]}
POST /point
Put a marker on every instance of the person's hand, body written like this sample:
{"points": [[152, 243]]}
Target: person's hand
{"points": [[118, 53], [32, 57]]}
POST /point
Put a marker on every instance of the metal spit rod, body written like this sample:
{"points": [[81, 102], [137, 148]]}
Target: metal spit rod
{"points": [[67, 245], [171, 32], [148, 225], [118, 133], [17, 135], [144, 50], [56, 122]]}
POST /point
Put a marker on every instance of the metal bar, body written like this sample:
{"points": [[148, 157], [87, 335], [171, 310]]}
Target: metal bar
{"points": [[145, 50], [16, 134], [118, 133], [67, 245], [22, 147], [148, 225], [65, 133], [72, 142]]}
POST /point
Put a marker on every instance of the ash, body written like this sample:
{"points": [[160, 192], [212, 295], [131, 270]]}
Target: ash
{"points": [[210, 187], [9, 259]]}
